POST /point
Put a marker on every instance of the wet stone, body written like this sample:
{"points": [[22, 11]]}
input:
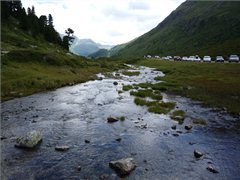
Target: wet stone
{"points": [[115, 83], [3, 137], [118, 139], [79, 168], [188, 127], [87, 141], [111, 119], [104, 176], [176, 135], [29, 140], [197, 154], [62, 148], [174, 127], [123, 166], [212, 169]]}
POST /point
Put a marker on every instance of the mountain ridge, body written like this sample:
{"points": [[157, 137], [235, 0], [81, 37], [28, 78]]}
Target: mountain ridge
{"points": [[192, 28]]}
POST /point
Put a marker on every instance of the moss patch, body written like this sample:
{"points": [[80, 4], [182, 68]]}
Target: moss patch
{"points": [[131, 73], [199, 121], [147, 93], [179, 116]]}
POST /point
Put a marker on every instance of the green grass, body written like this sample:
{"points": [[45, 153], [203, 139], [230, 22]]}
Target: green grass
{"points": [[155, 106], [34, 65], [199, 121], [146, 93], [178, 115], [127, 87], [211, 83], [131, 73]]}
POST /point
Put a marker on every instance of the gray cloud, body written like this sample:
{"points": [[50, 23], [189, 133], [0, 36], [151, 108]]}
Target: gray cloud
{"points": [[136, 5]]}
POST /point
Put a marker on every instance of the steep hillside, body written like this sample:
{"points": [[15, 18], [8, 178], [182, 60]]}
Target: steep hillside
{"points": [[85, 47], [31, 64], [99, 53], [195, 27]]}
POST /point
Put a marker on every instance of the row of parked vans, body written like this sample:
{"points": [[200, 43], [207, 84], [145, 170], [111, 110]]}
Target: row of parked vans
{"points": [[231, 58]]}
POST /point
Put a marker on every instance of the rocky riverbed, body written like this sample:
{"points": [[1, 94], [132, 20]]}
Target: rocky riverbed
{"points": [[78, 142]]}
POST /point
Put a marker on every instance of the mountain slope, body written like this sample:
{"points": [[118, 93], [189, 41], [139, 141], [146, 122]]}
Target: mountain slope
{"points": [[31, 64], [195, 27], [85, 47]]}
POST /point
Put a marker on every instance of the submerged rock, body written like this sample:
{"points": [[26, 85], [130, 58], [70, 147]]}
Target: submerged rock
{"points": [[212, 169], [111, 119], [87, 141], [197, 154], [188, 127], [62, 148], [79, 168], [123, 166], [30, 140], [118, 139], [174, 127]]}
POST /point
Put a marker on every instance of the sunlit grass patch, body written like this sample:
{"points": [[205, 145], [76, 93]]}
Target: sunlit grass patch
{"points": [[158, 78], [146, 93], [127, 87], [131, 73], [155, 106], [179, 116], [122, 118], [200, 121]]}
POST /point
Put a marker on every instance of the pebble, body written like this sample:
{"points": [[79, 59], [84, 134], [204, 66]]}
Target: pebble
{"points": [[197, 154], [87, 141], [62, 148], [212, 169]]}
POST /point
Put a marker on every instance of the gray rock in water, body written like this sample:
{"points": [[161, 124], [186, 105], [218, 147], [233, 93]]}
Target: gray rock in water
{"points": [[115, 83], [62, 148], [197, 154], [188, 127], [30, 140], [123, 166], [87, 141], [118, 139], [212, 169], [111, 119], [174, 127]]}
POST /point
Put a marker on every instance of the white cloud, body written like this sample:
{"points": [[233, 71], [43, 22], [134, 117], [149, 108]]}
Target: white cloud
{"points": [[108, 21]]}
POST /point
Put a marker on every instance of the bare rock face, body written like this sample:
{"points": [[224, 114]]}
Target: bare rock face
{"points": [[29, 140], [123, 166]]}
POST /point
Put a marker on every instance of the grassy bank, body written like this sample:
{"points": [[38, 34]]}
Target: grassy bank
{"points": [[215, 84], [31, 65]]}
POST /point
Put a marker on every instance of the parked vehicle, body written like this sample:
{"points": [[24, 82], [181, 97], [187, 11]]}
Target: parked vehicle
{"points": [[219, 59], [233, 58], [207, 58], [191, 58], [184, 58], [177, 58], [197, 58]]}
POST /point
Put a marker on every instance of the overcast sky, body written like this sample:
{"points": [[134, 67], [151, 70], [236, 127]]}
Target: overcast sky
{"points": [[105, 21]]}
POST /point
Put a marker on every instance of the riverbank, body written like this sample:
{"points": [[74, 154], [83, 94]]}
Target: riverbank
{"points": [[215, 84], [21, 78]]}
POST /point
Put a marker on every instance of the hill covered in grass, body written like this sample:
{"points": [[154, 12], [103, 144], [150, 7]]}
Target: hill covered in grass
{"points": [[31, 63], [195, 27]]}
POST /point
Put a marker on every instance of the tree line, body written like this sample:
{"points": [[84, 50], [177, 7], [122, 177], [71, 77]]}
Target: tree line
{"points": [[31, 24]]}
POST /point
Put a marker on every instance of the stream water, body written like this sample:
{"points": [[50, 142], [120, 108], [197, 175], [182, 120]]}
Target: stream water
{"points": [[71, 115]]}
